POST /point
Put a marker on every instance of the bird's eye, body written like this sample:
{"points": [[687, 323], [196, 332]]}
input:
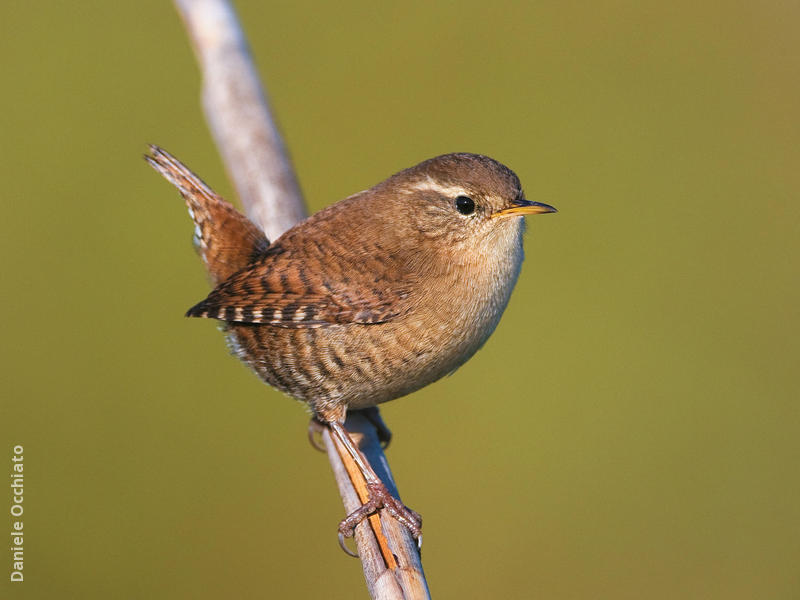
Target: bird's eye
{"points": [[465, 205]]}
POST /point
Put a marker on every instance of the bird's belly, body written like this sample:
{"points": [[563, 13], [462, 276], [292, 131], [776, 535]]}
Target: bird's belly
{"points": [[352, 365], [357, 366]]}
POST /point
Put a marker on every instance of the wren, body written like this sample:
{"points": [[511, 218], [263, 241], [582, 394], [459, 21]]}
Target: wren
{"points": [[369, 299]]}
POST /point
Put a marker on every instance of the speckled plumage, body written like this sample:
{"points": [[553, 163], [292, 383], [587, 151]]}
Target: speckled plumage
{"points": [[370, 299], [373, 297]]}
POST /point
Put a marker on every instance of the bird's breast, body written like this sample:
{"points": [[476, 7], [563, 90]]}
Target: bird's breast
{"points": [[451, 317], [472, 297], [359, 365]]}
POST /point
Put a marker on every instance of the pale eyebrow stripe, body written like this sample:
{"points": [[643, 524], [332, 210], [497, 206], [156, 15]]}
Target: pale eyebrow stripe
{"points": [[430, 185]]}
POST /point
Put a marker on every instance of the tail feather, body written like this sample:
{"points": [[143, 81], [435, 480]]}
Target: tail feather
{"points": [[226, 240]]}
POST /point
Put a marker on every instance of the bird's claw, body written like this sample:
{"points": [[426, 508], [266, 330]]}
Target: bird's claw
{"points": [[343, 546], [379, 497], [315, 429], [373, 415]]}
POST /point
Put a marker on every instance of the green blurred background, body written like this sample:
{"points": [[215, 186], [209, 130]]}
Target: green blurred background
{"points": [[630, 431]]}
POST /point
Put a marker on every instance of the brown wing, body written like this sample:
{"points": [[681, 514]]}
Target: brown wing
{"points": [[226, 240], [310, 289]]}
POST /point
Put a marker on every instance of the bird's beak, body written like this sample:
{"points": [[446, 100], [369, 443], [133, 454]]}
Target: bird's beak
{"points": [[524, 207]]}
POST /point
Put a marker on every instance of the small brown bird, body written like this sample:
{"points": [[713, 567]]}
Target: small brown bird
{"points": [[371, 298]]}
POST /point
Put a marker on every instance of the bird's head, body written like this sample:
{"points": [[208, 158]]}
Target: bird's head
{"points": [[462, 203]]}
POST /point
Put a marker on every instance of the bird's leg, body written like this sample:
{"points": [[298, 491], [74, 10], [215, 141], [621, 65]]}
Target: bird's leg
{"points": [[379, 496]]}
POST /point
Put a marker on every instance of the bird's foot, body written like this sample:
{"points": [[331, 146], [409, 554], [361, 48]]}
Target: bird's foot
{"points": [[316, 426], [315, 429], [373, 415], [379, 497]]}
